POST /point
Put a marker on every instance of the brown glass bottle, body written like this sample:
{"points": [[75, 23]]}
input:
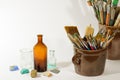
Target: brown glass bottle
{"points": [[40, 55]]}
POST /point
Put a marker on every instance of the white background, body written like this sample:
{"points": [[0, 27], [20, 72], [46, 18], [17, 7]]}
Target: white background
{"points": [[22, 20]]}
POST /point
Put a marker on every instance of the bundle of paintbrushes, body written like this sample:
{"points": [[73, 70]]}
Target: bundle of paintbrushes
{"points": [[107, 12], [90, 42]]}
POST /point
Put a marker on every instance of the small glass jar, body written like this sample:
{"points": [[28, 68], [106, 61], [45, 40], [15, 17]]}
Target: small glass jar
{"points": [[26, 58], [51, 60]]}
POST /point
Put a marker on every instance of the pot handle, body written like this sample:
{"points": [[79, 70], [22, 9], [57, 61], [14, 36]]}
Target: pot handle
{"points": [[76, 59]]}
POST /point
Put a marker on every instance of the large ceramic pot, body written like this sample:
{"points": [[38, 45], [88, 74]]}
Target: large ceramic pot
{"points": [[114, 47], [89, 63]]}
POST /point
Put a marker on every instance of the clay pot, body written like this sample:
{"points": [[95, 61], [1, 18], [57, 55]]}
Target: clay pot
{"points": [[114, 47], [89, 63]]}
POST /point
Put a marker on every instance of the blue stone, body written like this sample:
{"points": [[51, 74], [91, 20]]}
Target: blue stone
{"points": [[14, 68]]}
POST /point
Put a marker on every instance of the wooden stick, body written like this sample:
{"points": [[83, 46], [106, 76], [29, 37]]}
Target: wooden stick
{"points": [[117, 21], [112, 16], [108, 15], [100, 4], [119, 24]]}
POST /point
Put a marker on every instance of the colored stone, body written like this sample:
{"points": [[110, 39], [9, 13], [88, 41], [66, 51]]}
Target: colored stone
{"points": [[55, 71], [13, 68], [48, 74], [24, 71], [34, 73]]}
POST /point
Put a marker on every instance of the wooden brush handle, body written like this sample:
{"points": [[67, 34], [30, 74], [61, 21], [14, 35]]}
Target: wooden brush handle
{"points": [[117, 20], [107, 19], [101, 17]]}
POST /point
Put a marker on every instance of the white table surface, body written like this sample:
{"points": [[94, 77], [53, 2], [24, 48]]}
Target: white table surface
{"points": [[112, 71]]}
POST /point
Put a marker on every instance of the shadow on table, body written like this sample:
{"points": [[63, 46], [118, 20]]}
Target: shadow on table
{"points": [[63, 64], [112, 67]]}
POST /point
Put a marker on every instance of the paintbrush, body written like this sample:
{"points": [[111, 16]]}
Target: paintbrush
{"points": [[115, 2], [108, 14], [97, 12], [110, 36], [89, 3], [81, 41], [107, 43], [117, 11], [71, 30], [100, 5], [105, 0], [117, 21], [75, 43], [104, 11], [89, 31], [119, 24], [112, 16]]}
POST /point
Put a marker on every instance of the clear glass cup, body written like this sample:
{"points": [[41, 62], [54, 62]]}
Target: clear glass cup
{"points": [[26, 58]]}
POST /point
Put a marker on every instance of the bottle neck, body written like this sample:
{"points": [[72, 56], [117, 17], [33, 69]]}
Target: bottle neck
{"points": [[39, 39], [51, 53]]}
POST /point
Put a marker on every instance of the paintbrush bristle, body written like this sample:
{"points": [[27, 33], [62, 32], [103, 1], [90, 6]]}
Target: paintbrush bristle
{"points": [[89, 31], [71, 30]]}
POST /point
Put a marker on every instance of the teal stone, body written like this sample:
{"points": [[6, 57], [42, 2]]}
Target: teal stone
{"points": [[24, 71], [55, 71]]}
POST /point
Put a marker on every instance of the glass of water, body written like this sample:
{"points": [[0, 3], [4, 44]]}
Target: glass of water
{"points": [[26, 58]]}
